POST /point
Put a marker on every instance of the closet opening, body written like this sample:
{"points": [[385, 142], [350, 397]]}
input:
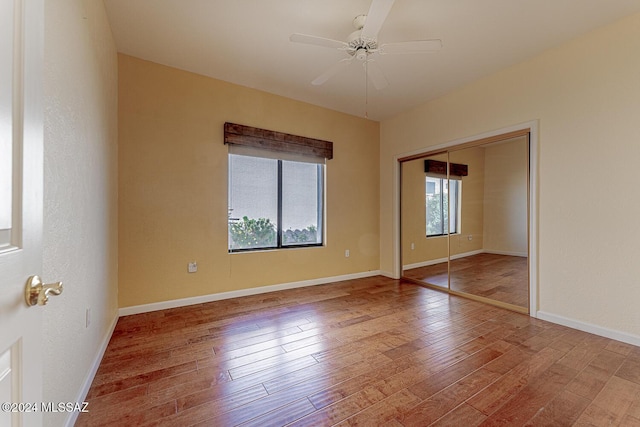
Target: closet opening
{"points": [[465, 223]]}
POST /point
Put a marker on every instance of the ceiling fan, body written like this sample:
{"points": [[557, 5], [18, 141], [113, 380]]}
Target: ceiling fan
{"points": [[363, 43]]}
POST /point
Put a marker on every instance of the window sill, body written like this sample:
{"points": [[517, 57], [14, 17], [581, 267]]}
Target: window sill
{"points": [[284, 248], [441, 235]]}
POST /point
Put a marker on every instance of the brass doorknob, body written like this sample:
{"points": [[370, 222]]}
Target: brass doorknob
{"points": [[37, 293]]}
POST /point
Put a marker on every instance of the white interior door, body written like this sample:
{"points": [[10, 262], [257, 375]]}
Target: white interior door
{"points": [[21, 172]]}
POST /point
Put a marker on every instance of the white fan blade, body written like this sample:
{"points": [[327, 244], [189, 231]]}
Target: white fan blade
{"points": [[318, 41], [416, 46], [335, 69], [375, 74], [378, 12]]}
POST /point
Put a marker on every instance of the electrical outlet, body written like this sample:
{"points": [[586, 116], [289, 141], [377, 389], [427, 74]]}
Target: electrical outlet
{"points": [[192, 267], [87, 318], [470, 237], [413, 246], [346, 253]]}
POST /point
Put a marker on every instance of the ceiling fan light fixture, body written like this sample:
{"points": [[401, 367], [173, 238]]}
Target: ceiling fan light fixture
{"points": [[361, 54]]}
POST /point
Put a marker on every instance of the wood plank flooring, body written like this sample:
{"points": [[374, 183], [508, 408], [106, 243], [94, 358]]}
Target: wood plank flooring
{"points": [[366, 352], [499, 277]]}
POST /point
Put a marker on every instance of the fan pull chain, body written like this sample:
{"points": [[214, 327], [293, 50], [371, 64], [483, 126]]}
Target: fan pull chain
{"points": [[366, 88]]}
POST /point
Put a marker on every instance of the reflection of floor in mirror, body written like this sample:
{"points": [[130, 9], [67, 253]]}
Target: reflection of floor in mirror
{"points": [[499, 277]]}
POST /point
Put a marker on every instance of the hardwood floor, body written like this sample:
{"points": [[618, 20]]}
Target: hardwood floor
{"points": [[499, 277], [366, 352]]}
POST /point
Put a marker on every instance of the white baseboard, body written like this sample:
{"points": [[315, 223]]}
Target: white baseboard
{"points": [[441, 260], [424, 263], [589, 327], [145, 308], [389, 274], [466, 254], [521, 254], [86, 384]]}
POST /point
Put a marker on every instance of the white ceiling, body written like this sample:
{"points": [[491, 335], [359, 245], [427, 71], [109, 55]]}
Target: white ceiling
{"points": [[247, 42]]}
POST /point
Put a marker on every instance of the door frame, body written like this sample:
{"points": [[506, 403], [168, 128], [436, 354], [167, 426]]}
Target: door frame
{"points": [[21, 332], [533, 196]]}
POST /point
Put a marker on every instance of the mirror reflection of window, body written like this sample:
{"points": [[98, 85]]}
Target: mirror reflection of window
{"points": [[439, 194]]}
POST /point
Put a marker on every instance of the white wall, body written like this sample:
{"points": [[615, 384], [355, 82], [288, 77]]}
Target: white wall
{"points": [[80, 216], [505, 197], [586, 96]]}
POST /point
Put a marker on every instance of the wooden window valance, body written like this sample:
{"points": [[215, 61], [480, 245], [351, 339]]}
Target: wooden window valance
{"points": [[276, 141], [440, 168]]}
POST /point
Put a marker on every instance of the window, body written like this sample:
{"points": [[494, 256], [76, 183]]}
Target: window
{"points": [[274, 203], [276, 188], [440, 193]]}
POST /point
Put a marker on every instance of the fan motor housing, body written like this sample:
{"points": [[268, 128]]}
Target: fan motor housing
{"points": [[356, 42]]}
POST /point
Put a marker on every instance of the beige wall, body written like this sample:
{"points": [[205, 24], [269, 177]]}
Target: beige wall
{"points": [[173, 186], [472, 201], [586, 96], [505, 203], [80, 213]]}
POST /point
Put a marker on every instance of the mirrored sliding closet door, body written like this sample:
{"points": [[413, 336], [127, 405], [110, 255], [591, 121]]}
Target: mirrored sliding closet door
{"points": [[464, 221]]}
